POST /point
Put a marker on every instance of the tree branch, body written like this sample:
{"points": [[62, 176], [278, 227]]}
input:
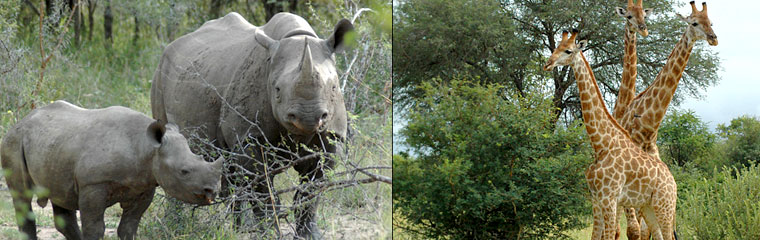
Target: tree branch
{"points": [[43, 59], [30, 5]]}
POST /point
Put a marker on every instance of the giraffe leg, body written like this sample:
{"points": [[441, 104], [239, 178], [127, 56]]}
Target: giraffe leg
{"points": [[652, 222], [633, 231], [611, 225], [665, 216], [598, 221], [645, 231]]}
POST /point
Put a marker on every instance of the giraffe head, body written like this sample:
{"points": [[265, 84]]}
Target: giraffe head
{"points": [[566, 50], [636, 15], [700, 24]]}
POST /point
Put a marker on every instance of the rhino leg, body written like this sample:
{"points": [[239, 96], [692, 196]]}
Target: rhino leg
{"points": [[12, 158], [133, 211], [262, 209], [70, 228], [255, 194], [306, 225], [92, 207], [23, 207]]}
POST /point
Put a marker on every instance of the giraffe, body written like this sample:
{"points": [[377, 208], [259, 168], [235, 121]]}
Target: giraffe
{"points": [[622, 175], [635, 21], [635, 16], [643, 115]]}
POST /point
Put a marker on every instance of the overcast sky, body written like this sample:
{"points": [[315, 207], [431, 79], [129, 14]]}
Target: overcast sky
{"points": [[738, 93]]}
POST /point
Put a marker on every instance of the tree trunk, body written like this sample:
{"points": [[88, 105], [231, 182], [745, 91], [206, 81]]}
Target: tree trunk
{"points": [[48, 7], [91, 5], [108, 24], [77, 21], [31, 6], [136, 36], [561, 84], [216, 6], [273, 7]]}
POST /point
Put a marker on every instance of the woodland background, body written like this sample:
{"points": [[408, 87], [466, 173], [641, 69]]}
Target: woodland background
{"points": [[99, 53]]}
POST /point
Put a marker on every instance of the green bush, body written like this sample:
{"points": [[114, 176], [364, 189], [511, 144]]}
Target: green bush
{"points": [[683, 137], [742, 137], [723, 206], [489, 166]]}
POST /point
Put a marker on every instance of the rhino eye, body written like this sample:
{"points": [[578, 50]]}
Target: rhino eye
{"points": [[184, 172], [277, 89]]}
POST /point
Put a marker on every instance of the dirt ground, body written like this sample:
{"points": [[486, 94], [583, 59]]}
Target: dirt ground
{"points": [[344, 226], [45, 228]]}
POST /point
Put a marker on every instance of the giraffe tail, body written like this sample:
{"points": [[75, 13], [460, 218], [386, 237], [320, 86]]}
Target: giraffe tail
{"points": [[675, 235]]}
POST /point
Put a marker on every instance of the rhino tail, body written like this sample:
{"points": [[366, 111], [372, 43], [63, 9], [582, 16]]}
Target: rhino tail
{"points": [[27, 180], [14, 161]]}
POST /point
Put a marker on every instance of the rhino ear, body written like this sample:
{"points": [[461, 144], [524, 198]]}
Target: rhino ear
{"points": [[217, 165], [340, 36], [267, 42], [156, 131]]}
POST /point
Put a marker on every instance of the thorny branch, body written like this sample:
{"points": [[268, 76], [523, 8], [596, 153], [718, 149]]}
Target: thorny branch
{"points": [[10, 59], [44, 60]]}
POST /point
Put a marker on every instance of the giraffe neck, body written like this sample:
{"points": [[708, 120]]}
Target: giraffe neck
{"points": [[627, 89], [600, 125], [661, 92]]}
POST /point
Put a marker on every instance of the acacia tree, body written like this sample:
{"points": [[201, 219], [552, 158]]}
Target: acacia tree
{"points": [[488, 166], [507, 42], [742, 138], [683, 137]]}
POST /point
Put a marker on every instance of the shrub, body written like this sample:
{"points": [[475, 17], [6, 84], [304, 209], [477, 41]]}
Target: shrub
{"points": [[489, 166], [742, 139], [683, 137], [724, 206]]}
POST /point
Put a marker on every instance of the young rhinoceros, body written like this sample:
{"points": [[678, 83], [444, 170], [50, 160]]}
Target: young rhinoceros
{"points": [[89, 160]]}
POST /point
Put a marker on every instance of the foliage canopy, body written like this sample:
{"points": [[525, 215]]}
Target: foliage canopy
{"points": [[507, 41], [683, 137], [489, 165]]}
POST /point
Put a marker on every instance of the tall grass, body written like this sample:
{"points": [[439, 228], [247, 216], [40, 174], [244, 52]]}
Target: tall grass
{"points": [[724, 204]]}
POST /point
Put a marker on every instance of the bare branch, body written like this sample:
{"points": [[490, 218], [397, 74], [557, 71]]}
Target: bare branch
{"points": [[43, 59], [372, 175], [30, 5], [10, 59]]}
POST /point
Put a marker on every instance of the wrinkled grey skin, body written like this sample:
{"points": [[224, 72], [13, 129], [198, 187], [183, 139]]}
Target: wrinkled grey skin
{"points": [[92, 159], [280, 76]]}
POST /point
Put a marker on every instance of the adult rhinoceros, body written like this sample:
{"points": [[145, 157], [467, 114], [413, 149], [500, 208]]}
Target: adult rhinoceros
{"points": [[229, 74]]}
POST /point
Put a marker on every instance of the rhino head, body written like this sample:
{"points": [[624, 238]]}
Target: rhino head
{"points": [[303, 83], [182, 174]]}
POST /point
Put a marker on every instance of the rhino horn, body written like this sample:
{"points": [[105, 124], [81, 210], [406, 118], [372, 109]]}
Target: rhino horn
{"points": [[306, 65]]}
